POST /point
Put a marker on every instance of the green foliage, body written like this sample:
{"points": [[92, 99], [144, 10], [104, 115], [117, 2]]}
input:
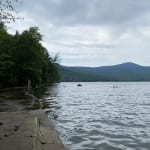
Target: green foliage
{"points": [[23, 58]]}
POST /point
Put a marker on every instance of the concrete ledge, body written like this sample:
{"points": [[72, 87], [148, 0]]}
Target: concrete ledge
{"points": [[28, 131]]}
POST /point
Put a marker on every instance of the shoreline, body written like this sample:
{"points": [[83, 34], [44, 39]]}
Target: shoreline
{"points": [[26, 129]]}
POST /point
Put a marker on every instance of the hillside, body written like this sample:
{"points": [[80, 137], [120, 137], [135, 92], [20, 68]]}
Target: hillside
{"points": [[122, 72]]}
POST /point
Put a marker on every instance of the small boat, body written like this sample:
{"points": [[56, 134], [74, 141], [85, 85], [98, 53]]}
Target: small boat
{"points": [[79, 84], [115, 86]]}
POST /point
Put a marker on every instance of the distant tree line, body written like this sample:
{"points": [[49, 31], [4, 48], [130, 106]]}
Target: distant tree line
{"points": [[23, 58]]}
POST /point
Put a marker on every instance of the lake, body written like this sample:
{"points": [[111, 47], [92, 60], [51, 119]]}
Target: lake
{"points": [[100, 115]]}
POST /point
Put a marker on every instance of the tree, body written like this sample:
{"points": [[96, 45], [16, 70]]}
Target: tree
{"points": [[23, 58], [6, 63], [32, 59], [6, 70], [7, 10]]}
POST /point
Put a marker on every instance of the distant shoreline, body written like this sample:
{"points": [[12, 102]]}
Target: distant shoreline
{"points": [[126, 72]]}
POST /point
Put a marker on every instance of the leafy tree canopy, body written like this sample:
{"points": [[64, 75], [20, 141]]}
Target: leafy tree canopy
{"points": [[23, 58]]}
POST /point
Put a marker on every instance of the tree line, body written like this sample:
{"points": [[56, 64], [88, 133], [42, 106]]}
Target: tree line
{"points": [[23, 58]]}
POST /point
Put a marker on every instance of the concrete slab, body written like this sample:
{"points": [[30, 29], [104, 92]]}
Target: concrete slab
{"points": [[28, 130]]}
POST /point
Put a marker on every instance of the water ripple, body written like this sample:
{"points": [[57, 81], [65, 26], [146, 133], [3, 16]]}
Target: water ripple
{"points": [[97, 116]]}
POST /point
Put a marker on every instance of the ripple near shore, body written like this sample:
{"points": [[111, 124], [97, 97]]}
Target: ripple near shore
{"points": [[101, 116]]}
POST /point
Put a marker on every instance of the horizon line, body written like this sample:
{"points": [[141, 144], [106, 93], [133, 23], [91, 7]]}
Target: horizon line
{"points": [[104, 65]]}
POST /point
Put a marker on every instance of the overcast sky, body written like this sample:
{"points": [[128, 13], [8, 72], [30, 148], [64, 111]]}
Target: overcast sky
{"points": [[91, 32]]}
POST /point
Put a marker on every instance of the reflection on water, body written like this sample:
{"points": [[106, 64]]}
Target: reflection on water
{"points": [[47, 96], [16, 100], [98, 116]]}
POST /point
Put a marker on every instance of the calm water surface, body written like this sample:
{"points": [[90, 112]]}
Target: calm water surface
{"points": [[101, 116]]}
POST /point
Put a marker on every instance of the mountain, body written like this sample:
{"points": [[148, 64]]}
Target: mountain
{"points": [[121, 72]]}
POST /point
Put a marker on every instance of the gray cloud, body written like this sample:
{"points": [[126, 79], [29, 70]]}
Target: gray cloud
{"points": [[89, 12], [91, 32]]}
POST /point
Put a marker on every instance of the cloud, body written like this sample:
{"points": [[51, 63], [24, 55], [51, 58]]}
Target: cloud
{"points": [[91, 32], [88, 12]]}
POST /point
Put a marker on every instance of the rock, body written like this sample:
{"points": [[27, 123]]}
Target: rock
{"points": [[28, 131]]}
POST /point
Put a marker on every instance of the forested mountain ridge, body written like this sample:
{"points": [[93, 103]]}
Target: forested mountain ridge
{"points": [[122, 72]]}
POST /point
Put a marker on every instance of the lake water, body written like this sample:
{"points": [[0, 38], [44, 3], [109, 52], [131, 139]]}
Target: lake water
{"points": [[101, 116]]}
